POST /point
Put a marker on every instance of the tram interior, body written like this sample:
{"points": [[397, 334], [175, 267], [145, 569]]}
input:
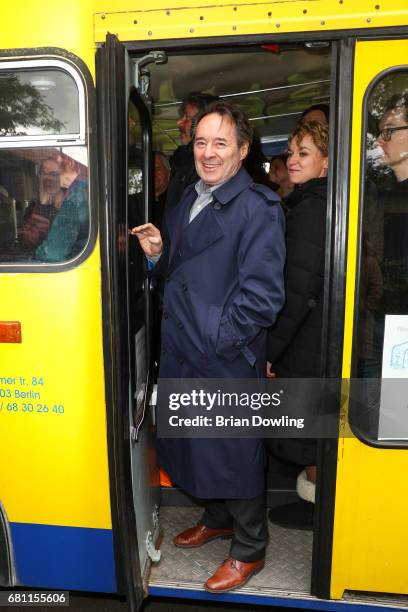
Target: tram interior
{"points": [[273, 84]]}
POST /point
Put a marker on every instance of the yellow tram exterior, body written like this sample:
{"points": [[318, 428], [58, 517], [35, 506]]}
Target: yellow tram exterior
{"points": [[55, 469]]}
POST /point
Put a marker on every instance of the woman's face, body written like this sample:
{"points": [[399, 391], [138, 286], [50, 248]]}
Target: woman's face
{"points": [[305, 161]]}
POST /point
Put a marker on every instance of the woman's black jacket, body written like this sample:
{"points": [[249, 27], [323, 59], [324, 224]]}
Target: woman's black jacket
{"points": [[294, 342]]}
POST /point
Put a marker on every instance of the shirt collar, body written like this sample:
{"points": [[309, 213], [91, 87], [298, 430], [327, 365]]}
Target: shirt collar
{"points": [[202, 188]]}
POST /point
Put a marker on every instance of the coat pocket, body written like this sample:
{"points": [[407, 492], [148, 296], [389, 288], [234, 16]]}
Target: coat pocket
{"points": [[212, 327]]}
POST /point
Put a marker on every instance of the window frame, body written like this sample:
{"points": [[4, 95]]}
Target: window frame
{"points": [[360, 435], [77, 68], [78, 138]]}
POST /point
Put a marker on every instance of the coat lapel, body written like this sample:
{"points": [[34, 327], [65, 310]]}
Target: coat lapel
{"points": [[177, 220], [189, 239]]}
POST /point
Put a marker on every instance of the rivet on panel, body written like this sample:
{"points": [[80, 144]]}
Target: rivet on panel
{"points": [[191, 30], [278, 25], [368, 19], [168, 13], [304, 11], [322, 23], [135, 21], [201, 18], [235, 8], [103, 16], [149, 33], [377, 7], [270, 14]]}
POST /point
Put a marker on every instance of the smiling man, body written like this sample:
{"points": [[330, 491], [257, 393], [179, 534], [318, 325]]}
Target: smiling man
{"points": [[183, 170], [224, 270]]}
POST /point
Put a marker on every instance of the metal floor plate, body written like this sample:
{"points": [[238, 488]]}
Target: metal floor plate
{"points": [[287, 568]]}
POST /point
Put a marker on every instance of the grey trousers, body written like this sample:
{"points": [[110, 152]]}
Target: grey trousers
{"points": [[248, 519]]}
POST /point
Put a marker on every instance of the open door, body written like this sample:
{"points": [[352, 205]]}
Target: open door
{"points": [[370, 533], [124, 136]]}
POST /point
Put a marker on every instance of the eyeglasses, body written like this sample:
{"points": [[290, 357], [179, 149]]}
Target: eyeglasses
{"points": [[386, 133], [50, 174]]}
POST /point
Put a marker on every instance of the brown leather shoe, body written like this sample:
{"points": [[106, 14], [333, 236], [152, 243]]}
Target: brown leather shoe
{"points": [[199, 535], [232, 574]]}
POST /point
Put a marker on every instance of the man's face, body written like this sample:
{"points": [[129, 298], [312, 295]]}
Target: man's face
{"points": [[184, 123], [216, 151], [50, 177], [161, 175], [278, 172], [395, 150]]}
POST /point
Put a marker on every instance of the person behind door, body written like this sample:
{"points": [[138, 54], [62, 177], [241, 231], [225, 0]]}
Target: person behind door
{"points": [[224, 265], [294, 343]]}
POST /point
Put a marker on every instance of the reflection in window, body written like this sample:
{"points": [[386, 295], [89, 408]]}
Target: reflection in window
{"points": [[44, 210], [384, 262], [383, 290], [38, 102]]}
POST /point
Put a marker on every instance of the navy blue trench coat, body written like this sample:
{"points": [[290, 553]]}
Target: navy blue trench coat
{"points": [[224, 287]]}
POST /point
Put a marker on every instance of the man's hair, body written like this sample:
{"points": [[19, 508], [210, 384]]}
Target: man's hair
{"points": [[235, 115], [319, 133], [324, 108], [397, 101], [198, 99], [163, 157]]}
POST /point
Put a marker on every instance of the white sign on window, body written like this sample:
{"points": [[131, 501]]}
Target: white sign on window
{"points": [[393, 423]]}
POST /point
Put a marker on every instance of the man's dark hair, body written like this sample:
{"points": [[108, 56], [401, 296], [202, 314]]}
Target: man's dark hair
{"points": [[324, 108], [397, 101], [235, 115], [198, 99]]}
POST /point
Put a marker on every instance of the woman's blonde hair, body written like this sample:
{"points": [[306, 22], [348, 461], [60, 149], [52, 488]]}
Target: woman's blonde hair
{"points": [[319, 133]]}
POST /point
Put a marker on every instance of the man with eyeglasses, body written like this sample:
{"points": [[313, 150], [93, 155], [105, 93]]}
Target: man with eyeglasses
{"points": [[393, 137], [393, 142]]}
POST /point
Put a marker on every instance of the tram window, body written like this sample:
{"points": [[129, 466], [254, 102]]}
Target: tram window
{"points": [[381, 341], [38, 102], [44, 204]]}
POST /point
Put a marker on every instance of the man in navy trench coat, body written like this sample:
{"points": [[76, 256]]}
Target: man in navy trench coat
{"points": [[223, 265]]}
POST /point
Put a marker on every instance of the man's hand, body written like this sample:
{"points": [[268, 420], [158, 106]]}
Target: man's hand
{"points": [[149, 238], [269, 371]]}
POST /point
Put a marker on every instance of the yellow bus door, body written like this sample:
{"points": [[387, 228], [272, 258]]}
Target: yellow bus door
{"points": [[370, 539], [124, 133]]}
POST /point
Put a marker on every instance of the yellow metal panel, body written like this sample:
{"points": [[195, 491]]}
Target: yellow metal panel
{"points": [[36, 25], [370, 534], [54, 466], [133, 21]]}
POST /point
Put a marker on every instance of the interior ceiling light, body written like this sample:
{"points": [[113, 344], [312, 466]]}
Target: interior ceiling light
{"points": [[43, 84]]}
